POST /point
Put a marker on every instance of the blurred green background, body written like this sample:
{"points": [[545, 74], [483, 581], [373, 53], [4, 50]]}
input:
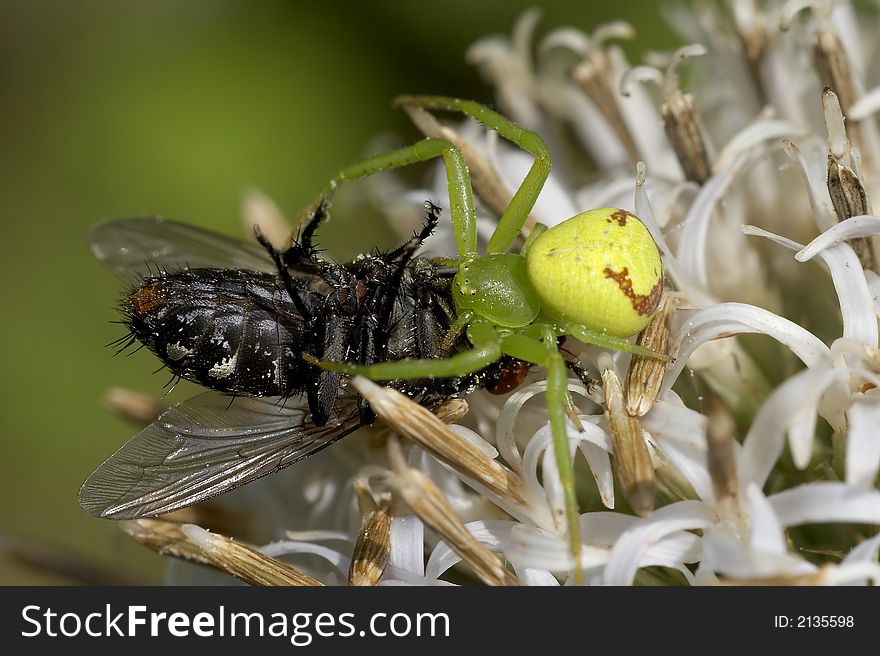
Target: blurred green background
{"points": [[119, 108]]}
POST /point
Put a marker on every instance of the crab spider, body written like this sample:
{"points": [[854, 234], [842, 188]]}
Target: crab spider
{"points": [[596, 276]]}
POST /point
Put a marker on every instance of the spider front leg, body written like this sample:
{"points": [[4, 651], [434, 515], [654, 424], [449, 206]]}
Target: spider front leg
{"points": [[514, 217], [487, 349], [461, 198]]}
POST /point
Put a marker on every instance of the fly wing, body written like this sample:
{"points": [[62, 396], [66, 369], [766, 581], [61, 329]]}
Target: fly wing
{"points": [[136, 247], [206, 446]]}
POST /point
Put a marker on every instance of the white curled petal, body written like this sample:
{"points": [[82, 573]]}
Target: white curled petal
{"points": [[408, 544], [874, 288], [476, 439], [489, 533], [691, 462], [865, 551], [599, 461], [856, 304], [865, 225], [726, 319], [848, 277], [566, 37], [534, 577], [825, 502], [782, 412], [505, 432], [731, 558], [852, 574], [868, 104], [863, 444], [531, 547], [603, 528], [695, 233], [766, 533], [753, 135], [813, 173], [288, 547], [676, 422], [539, 445], [628, 551], [673, 550], [319, 536]]}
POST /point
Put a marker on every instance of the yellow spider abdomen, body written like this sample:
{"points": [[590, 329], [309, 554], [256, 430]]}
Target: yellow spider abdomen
{"points": [[601, 269]]}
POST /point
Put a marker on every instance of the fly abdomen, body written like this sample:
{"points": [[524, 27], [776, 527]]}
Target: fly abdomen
{"points": [[231, 330]]}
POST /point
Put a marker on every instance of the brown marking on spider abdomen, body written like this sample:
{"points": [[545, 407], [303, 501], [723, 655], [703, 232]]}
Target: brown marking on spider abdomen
{"points": [[642, 303], [146, 300], [621, 216]]}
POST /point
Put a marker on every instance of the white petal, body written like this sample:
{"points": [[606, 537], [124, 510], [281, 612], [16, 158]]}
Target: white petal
{"points": [[813, 171], [874, 288], [505, 433], [534, 577], [528, 546], [863, 444], [752, 136], [287, 547], [626, 556], [490, 533], [868, 104], [856, 305], [476, 439], [856, 226], [540, 444], [691, 461], [865, 551], [603, 528], [763, 444], [408, 544], [692, 251], [599, 461], [731, 558], [643, 120], [674, 421], [766, 532], [826, 501], [725, 319], [852, 574]]}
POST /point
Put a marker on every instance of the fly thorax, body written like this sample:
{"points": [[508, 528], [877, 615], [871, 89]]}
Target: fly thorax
{"points": [[497, 288]]}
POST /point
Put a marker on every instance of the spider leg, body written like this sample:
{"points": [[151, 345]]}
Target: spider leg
{"points": [[546, 353], [461, 198], [514, 217], [591, 336]]}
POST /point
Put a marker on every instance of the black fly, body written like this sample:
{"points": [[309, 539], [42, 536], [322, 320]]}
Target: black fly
{"points": [[238, 320]]}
